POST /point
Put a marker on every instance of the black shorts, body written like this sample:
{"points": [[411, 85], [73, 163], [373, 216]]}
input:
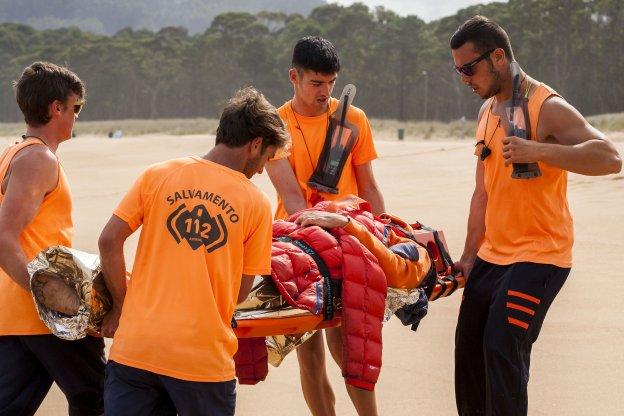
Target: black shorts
{"points": [[29, 364], [131, 391]]}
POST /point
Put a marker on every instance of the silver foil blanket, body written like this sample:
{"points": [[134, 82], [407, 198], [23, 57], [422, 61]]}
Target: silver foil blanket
{"points": [[79, 272], [265, 301], [278, 346], [398, 298], [263, 296]]}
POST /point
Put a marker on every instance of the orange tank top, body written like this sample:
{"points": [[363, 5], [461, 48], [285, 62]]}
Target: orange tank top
{"points": [[526, 220], [52, 225]]}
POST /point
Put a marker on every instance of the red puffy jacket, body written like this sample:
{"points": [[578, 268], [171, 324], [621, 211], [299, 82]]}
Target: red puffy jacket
{"points": [[301, 256], [297, 276]]}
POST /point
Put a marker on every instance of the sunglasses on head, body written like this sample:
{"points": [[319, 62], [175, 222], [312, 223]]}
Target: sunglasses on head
{"points": [[468, 69]]}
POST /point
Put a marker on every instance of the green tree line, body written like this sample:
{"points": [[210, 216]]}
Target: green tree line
{"points": [[401, 65], [109, 16]]}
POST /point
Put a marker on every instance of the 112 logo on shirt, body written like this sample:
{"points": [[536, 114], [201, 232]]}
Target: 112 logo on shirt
{"points": [[197, 227]]}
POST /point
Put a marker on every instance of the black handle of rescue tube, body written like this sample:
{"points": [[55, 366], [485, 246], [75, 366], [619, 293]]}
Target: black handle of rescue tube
{"points": [[322, 188], [430, 280], [520, 170]]}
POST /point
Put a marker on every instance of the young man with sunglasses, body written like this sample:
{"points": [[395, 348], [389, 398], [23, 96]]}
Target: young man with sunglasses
{"points": [[35, 213], [315, 67], [518, 249]]}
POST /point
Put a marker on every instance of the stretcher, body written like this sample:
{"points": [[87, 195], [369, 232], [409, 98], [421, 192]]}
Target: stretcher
{"points": [[283, 319]]}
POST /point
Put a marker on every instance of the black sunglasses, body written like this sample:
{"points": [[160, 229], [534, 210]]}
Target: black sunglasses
{"points": [[78, 107], [468, 69]]}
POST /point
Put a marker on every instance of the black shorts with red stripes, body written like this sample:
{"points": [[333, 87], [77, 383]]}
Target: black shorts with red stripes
{"points": [[500, 318]]}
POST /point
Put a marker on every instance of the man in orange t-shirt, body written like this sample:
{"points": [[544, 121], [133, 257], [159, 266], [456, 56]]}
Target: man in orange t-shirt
{"points": [[206, 233], [315, 66], [35, 213], [518, 250]]}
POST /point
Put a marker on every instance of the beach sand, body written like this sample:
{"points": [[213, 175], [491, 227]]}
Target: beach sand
{"points": [[578, 361]]}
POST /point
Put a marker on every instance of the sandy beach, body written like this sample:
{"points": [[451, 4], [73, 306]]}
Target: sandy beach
{"points": [[578, 361]]}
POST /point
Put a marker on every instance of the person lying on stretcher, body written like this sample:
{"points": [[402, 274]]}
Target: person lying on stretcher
{"points": [[303, 255], [338, 262]]}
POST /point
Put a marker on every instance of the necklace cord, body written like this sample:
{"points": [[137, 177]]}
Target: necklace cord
{"points": [[305, 142], [27, 136]]}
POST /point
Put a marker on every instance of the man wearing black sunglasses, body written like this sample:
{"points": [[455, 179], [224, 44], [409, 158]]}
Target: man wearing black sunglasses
{"points": [[35, 213], [468, 68], [518, 250]]}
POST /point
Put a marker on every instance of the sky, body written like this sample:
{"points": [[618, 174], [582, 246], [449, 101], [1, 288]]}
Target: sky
{"points": [[425, 9]]}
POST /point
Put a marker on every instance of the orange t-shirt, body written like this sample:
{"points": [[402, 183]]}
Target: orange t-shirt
{"points": [[307, 145], [51, 226], [526, 220], [204, 225]]}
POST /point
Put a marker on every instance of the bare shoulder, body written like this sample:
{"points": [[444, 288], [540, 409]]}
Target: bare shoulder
{"points": [[558, 111], [559, 121], [36, 156], [35, 164], [556, 105]]}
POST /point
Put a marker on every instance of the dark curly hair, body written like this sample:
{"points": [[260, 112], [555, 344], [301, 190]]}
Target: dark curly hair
{"points": [[249, 115]]}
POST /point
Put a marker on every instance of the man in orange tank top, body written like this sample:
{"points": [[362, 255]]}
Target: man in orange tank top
{"points": [[315, 67], [518, 249], [206, 232], [35, 213]]}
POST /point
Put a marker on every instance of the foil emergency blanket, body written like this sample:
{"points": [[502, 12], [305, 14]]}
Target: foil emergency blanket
{"points": [[265, 301], [263, 296], [398, 298], [81, 272], [278, 346]]}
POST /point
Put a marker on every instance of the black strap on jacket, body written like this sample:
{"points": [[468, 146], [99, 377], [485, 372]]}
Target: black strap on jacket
{"points": [[329, 285]]}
